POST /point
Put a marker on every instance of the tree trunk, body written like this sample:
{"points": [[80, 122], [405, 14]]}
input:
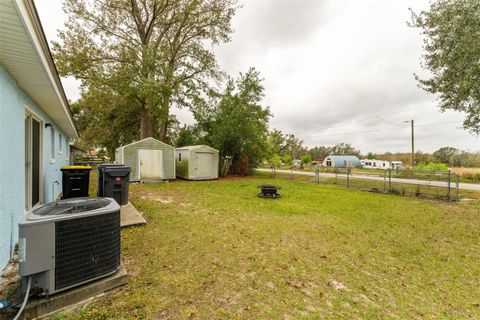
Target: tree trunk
{"points": [[163, 121], [163, 130], [146, 123]]}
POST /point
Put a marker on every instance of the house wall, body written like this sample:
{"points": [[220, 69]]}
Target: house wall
{"points": [[130, 157], [13, 102]]}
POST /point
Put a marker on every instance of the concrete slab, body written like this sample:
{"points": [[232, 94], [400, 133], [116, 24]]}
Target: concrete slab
{"points": [[147, 181], [129, 216], [45, 307]]}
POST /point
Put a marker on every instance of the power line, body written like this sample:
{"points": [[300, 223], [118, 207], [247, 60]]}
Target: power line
{"points": [[361, 97], [354, 121], [393, 124], [348, 133], [376, 131], [436, 124]]}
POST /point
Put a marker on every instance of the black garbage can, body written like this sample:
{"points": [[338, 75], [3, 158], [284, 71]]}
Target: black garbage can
{"points": [[75, 181], [113, 182], [101, 175]]}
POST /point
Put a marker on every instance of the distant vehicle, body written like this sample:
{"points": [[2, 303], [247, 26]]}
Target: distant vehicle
{"points": [[297, 163], [381, 164]]}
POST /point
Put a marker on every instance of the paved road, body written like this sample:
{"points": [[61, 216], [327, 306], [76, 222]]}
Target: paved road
{"points": [[464, 186]]}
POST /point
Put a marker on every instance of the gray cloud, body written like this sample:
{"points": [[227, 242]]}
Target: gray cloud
{"points": [[281, 22], [330, 68]]}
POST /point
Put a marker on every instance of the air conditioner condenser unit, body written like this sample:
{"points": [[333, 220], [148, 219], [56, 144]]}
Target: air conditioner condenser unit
{"points": [[68, 243]]}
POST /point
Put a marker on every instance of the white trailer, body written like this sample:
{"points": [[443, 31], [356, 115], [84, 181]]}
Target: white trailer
{"points": [[381, 164]]}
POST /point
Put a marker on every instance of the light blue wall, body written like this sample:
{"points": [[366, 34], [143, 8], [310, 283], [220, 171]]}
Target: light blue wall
{"points": [[11, 163], [13, 101]]}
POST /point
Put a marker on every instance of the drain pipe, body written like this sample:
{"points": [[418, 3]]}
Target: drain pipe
{"points": [[27, 293]]}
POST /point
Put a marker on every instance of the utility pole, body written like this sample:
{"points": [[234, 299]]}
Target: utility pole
{"points": [[413, 146], [413, 142]]}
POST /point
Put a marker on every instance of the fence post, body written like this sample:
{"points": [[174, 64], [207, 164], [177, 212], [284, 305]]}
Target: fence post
{"points": [[449, 185], [390, 180], [336, 174], [317, 175], [348, 177], [385, 181], [457, 182]]}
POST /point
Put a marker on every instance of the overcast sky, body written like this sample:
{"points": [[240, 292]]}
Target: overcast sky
{"points": [[335, 71]]}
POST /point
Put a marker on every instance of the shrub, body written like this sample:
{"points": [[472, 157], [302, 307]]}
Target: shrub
{"points": [[276, 160], [306, 159], [287, 159], [432, 166], [471, 176]]}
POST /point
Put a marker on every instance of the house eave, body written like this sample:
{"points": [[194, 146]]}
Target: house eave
{"points": [[26, 56]]}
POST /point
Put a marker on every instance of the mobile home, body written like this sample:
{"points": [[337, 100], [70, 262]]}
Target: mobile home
{"points": [[381, 164]]}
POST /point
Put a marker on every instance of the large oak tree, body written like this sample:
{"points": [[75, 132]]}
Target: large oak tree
{"points": [[146, 55], [451, 29]]}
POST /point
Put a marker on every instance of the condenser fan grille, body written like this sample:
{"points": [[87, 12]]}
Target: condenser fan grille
{"points": [[86, 248]]}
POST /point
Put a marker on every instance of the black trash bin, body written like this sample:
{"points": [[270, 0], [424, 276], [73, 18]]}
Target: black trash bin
{"points": [[101, 175], [113, 182], [75, 180]]}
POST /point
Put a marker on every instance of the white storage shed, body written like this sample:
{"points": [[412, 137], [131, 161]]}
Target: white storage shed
{"points": [[196, 162], [150, 159]]}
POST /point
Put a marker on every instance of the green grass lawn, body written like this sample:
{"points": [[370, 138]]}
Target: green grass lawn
{"points": [[213, 250]]}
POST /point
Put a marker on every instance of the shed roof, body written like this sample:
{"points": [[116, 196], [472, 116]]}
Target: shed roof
{"points": [[149, 138], [196, 147], [339, 160]]}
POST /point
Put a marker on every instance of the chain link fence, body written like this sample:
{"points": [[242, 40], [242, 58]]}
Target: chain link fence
{"points": [[442, 185], [426, 184]]}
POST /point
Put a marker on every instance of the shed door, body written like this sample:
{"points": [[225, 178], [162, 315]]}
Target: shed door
{"points": [[151, 164], [203, 167]]}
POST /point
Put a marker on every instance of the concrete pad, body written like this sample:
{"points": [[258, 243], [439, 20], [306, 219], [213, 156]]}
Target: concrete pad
{"points": [[147, 181], [129, 216], [45, 307]]}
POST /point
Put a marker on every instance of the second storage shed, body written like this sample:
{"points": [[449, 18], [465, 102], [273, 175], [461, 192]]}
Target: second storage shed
{"points": [[149, 159], [197, 162]]}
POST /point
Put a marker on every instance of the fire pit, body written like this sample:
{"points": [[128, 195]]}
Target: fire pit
{"points": [[269, 191]]}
